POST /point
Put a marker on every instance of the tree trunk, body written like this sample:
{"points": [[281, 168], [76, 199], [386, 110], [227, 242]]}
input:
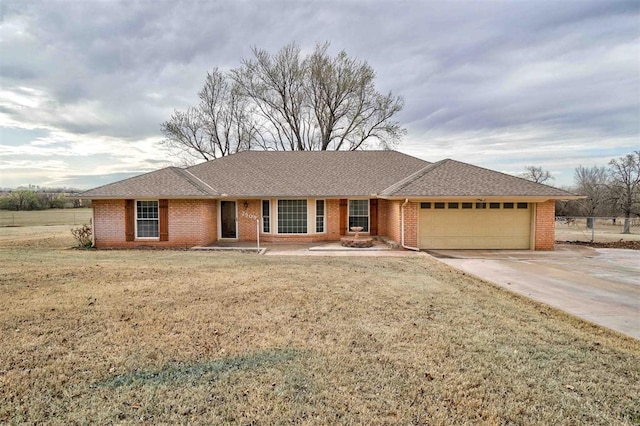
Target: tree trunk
{"points": [[627, 225]]}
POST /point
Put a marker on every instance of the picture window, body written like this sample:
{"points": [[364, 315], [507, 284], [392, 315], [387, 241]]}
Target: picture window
{"points": [[292, 216]]}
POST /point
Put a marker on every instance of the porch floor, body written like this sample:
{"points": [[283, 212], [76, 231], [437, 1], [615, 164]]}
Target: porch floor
{"points": [[333, 248]]}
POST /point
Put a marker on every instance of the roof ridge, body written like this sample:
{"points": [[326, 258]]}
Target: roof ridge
{"points": [[183, 174], [412, 177]]}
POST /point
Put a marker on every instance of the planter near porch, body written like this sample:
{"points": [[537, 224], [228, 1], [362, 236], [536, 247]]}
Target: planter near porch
{"points": [[356, 241]]}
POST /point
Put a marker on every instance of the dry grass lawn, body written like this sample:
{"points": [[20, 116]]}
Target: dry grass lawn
{"points": [[181, 337], [45, 217]]}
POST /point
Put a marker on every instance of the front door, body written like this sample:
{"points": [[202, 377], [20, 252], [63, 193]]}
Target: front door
{"points": [[228, 219]]}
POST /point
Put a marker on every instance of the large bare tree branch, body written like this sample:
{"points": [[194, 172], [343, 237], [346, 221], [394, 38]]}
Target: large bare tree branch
{"points": [[285, 101]]}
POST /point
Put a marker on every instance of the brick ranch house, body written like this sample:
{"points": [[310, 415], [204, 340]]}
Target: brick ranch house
{"points": [[319, 196]]}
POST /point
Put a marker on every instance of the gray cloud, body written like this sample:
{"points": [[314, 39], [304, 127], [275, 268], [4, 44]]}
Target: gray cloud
{"points": [[473, 74]]}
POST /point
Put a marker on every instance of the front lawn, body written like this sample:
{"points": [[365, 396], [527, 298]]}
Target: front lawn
{"points": [[178, 336]]}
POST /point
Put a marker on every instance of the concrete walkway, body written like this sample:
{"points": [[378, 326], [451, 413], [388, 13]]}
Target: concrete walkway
{"points": [[379, 249], [599, 285], [335, 249]]}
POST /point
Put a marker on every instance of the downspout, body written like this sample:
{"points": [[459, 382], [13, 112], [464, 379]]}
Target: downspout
{"points": [[406, 201]]}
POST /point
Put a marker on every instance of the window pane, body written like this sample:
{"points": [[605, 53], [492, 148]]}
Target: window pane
{"points": [[147, 213], [147, 209], [359, 221], [266, 220], [522, 205], [319, 215], [425, 205], [358, 207], [359, 214], [292, 216], [481, 205], [494, 205], [507, 205], [439, 205], [147, 228], [467, 205], [453, 205]]}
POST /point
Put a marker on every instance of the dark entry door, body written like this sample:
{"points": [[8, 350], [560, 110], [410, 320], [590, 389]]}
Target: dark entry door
{"points": [[228, 219]]}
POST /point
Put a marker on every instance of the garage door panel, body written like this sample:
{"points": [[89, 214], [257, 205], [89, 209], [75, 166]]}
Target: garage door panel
{"points": [[474, 228]]}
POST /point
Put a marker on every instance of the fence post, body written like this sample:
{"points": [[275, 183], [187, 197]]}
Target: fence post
{"points": [[593, 229]]}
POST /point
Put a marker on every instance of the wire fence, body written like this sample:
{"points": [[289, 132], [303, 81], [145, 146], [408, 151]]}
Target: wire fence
{"points": [[45, 217], [596, 229]]}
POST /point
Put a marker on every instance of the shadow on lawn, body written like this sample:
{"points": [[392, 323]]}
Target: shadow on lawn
{"points": [[203, 372]]}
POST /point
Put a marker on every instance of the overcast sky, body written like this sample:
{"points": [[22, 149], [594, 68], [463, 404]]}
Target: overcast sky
{"points": [[501, 84]]}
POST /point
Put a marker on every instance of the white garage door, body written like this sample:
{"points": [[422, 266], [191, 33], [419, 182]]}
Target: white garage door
{"points": [[457, 225]]}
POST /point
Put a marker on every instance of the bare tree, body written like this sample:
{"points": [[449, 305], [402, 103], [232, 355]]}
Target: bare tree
{"points": [[226, 121], [219, 126], [592, 182], [625, 185], [536, 174], [275, 84], [347, 109], [184, 131], [287, 102]]}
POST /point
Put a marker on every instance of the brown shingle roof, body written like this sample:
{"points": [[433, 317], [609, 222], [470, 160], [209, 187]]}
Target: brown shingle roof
{"points": [[304, 173], [170, 182], [323, 174], [456, 179]]}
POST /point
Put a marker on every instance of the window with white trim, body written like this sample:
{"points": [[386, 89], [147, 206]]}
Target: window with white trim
{"points": [[266, 216], [319, 216], [147, 219], [359, 214], [292, 216]]}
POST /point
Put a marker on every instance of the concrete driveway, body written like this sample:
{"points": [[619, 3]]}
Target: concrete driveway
{"points": [[599, 285]]}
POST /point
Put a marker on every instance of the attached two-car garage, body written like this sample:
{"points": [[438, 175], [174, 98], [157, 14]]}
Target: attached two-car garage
{"points": [[474, 225]]}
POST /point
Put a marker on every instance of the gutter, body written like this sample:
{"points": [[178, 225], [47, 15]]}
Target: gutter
{"points": [[406, 201]]}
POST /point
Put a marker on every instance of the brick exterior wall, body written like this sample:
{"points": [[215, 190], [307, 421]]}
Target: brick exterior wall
{"points": [[383, 213], [411, 224], [195, 222], [545, 225], [333, 219], [191, 223], [247, 219], [392, 216]]}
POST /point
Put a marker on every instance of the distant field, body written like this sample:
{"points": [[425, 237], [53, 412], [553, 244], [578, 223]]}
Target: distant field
{"points": [[180, 337], [604, 230], [45, 217]]}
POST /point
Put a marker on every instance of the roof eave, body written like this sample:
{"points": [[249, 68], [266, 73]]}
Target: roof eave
{"points": [[531, 198], [139, 197]]}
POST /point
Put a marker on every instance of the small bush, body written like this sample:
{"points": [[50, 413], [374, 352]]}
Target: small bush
{"points": [[82, 235]]}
